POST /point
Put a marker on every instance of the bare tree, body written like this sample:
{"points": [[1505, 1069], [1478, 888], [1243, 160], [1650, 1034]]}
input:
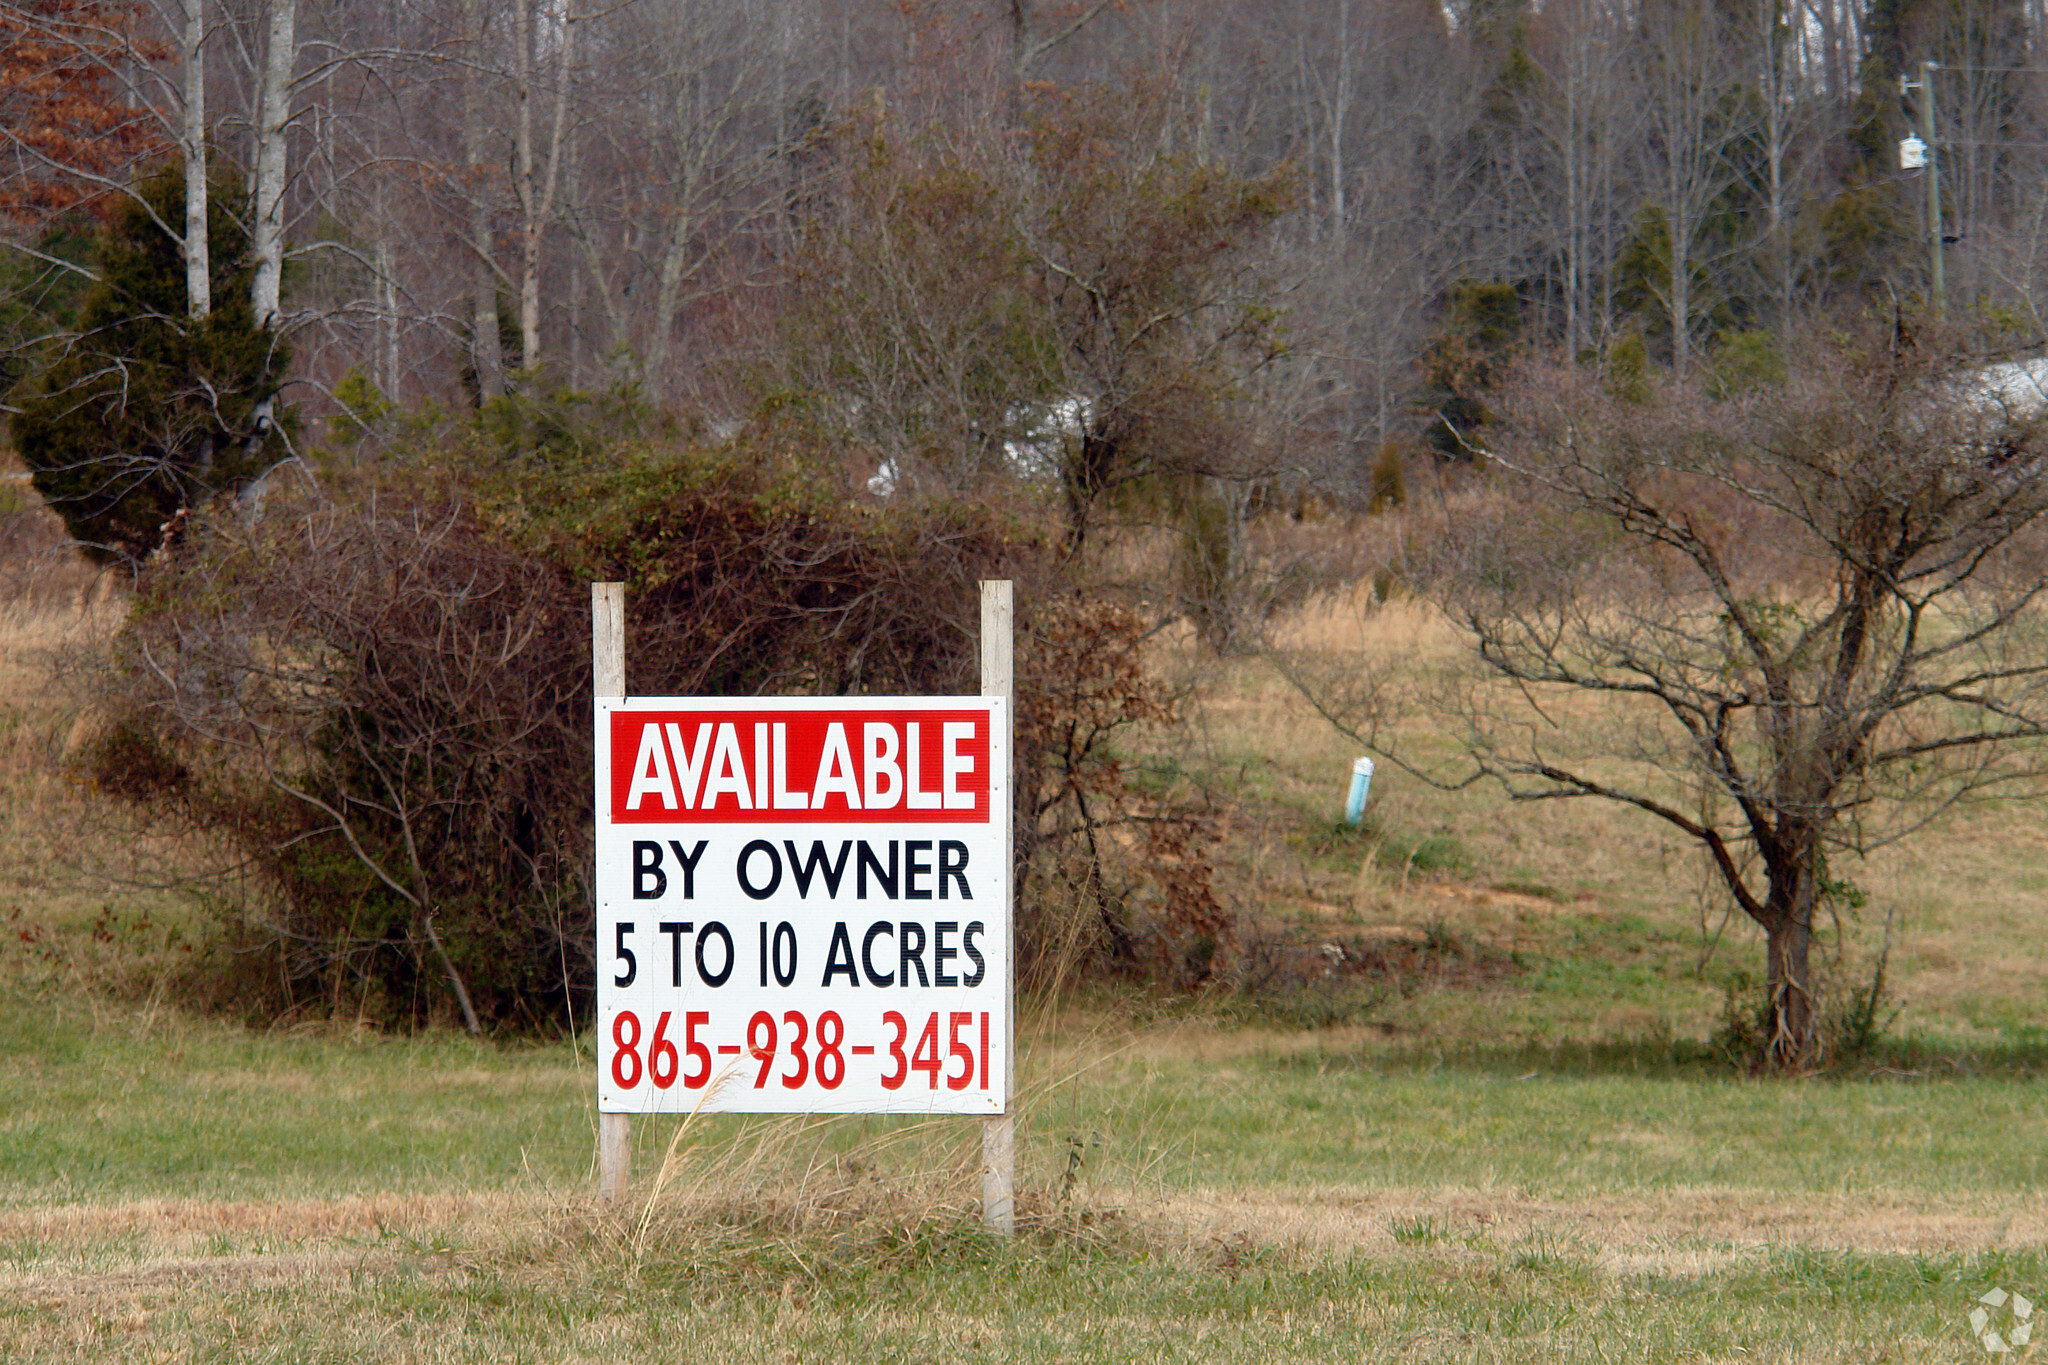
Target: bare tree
{"points": [[1807, 628], [486, 356], [673, 172], [1788, 120], [538, 169], [1038, 28]]}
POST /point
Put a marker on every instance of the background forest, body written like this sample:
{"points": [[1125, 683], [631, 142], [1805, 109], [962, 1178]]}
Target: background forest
{"points": [[926, 215]]}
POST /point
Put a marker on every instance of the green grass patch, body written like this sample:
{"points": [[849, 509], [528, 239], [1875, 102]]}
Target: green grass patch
{"points": [[1064, 1293]]}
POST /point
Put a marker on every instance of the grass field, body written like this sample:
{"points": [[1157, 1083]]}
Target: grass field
{"points": [[1525, 1152]]}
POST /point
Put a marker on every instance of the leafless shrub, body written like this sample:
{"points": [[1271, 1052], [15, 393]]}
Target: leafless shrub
{"points": [[385, 709], [1110, 876]]}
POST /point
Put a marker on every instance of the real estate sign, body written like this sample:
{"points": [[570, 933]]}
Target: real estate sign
{"points": [[803, 905]]}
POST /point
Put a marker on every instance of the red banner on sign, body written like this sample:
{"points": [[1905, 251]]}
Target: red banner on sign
{"points": [[851, 766]]}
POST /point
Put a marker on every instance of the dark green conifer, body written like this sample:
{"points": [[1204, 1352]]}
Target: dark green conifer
{"points": [[146, 410]]}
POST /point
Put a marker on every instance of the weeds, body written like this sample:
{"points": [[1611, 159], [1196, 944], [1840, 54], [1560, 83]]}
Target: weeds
{"points": [[1419, 1231]]}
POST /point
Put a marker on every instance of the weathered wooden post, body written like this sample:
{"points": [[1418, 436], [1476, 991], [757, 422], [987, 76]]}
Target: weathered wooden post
{"points": [[999, 1132], [608, 679]]}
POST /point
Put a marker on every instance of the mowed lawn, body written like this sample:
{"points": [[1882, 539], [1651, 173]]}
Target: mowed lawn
{"points": [[173, 1189], [1541, 1162]]}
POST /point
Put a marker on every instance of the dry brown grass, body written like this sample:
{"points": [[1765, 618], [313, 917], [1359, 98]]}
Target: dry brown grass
{"points": [[1682, 1231], [38, 565], [147, 1253]]}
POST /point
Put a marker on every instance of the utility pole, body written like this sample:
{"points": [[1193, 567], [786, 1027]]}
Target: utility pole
{"points": [[1937, 285]]}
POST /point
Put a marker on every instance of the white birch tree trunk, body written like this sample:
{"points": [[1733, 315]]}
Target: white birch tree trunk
{"points": [[273, 116], [486, 357], [192, 143], [536, 184]]}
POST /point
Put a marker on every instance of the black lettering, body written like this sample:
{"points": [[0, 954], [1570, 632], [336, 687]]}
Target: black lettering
{"points": [[909, 952], [711, 978], [941, 953], [913, 869], [689, 862], [625, 955], [839, 957], [764, 954], [948, 849], [886, 879], [867, 949], [785, 954], [804, 870], [675, 929], [760, 893], [974, 978], [647, 865]]}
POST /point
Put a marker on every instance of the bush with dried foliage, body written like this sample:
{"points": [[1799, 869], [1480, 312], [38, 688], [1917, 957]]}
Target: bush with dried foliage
{"points": [[382, 709], [383, 705], [742, 580], [386, 707], [1109, 877]]}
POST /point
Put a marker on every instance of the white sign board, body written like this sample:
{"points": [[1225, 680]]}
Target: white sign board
{"points": [[803, 905]]}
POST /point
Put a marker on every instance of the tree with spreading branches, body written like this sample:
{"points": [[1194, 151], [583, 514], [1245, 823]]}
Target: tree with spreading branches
{"points": [[1805, 626]]}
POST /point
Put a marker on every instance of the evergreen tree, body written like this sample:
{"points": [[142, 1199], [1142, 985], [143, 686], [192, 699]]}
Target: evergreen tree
{"points": [[1466, 362], [145, 411]]}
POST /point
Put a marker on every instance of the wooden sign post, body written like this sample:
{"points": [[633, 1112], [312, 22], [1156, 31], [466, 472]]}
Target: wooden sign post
{"points": [[999, 1133], [608, 678]]}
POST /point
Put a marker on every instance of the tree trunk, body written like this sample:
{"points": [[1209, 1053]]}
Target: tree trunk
{"points": [[536, 184], [198, 269], [1792, 1024], [1340, 114], [387, 321], [668, 294], [486, 357], [267, 238], [1681, 294]]}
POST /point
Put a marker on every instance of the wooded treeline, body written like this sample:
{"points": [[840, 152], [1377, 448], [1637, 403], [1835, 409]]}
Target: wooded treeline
{"points": [[1350, 209]]}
